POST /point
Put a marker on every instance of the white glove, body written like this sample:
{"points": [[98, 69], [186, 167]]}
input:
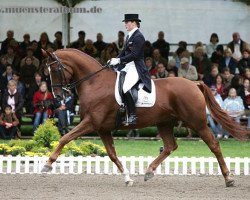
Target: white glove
{"points": [[115, 61]]}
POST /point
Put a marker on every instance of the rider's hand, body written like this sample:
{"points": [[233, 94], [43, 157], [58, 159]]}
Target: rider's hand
{"points": [[115, 61]]}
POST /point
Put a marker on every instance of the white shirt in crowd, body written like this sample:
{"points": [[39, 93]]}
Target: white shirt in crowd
{"points": [[237, 54]]}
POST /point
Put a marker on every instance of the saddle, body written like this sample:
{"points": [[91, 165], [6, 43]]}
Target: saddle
{"points": [[140, 97]]}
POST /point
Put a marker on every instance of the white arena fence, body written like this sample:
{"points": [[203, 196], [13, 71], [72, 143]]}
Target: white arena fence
{"points": [[136, 165]]}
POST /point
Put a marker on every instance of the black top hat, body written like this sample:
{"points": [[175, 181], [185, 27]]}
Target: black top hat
{"points": [[131, 17]]}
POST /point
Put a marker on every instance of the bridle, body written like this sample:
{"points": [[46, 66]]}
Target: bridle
{"points": [[64, 85]]}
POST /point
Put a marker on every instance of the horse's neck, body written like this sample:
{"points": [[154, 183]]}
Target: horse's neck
{"points": [[88, 66], [82, 64]]}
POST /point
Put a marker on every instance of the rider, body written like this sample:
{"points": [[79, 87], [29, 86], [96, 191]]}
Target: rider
{"points": [[132, 61]]}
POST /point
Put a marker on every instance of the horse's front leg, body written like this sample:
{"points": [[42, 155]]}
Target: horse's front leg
{"points": [[82, 128], [109, 145]]}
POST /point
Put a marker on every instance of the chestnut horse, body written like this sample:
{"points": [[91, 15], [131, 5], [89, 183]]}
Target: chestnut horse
{"points": [[176, 99]]}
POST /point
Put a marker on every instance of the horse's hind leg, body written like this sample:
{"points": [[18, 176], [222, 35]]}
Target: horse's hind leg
{"points": [[214, 146], [84, 127], [166, 133], [109, 145]]}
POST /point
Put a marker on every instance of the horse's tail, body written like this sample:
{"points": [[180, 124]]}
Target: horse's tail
{"points": [[235, 129]]}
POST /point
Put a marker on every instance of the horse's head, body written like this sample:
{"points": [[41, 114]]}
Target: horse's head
{"points": [[60, 74]]}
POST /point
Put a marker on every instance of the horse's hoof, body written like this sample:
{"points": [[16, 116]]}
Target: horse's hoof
{"points": [[129, 183], [148, 176], [230, 183], [46, 168]]}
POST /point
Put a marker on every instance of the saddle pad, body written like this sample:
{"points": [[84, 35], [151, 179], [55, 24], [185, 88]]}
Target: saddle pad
{"points": [[144, 99]]}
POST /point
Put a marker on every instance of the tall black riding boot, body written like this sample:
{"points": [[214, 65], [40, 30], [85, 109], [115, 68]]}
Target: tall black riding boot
{"points": [[129, 102]]}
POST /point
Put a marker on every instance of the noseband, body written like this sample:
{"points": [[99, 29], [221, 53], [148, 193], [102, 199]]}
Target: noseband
{"points": [[64, 85]]}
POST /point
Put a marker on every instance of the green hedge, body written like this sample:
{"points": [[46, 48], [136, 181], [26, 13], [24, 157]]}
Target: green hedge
{"points": [[144, 132], [45, 141]]}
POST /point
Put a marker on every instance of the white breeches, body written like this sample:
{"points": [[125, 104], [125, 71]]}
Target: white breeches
{"points": [[131, 77]]}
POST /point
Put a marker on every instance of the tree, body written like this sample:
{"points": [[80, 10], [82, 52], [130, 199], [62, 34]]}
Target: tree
{"points": [[68, 3], [244, 1]]}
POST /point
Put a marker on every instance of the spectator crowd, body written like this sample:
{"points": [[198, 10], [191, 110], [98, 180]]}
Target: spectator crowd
{"points": [[25, 82]]}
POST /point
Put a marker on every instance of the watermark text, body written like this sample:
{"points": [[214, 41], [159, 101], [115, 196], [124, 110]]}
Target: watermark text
{"points": [[62, 9]]}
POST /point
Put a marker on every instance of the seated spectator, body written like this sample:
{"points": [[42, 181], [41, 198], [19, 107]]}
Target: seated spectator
{"points": [[30, 54], [13, 98], [187, 71], [3, 65], [247, 73], [99, 44], [209, 79], [227, 79], [211, 47], [148, 49], [171, 74], [161, 71], [46, 76], [237, 82], [3, 81], [228, 61], [244, 93], [237, 46], [58, 40], [42, 102], [27, 72], [15, 45], [120, 42], [162, 45], [31, 91], [171, 66], [187, 54], [178, 55], [109, 52], [220, 87], [89, 48], [153, 77], [6, 42], [216, 128], [244, 62], [80, 42], [234, 106], [182, 44], [20, 84], [157, 58], [217, 56], [201, 62], [64, 110], [200, 44], [6, 77], [8, 123], [36, 50], [43, 43], [13, 59], [24, 45], [149, 63]]}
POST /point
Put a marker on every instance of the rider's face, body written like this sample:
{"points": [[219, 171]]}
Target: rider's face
{"points": [[130, 25]]}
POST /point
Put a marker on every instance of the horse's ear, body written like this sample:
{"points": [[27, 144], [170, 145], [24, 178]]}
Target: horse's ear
{"points": [[46, 53], [49, 54]]}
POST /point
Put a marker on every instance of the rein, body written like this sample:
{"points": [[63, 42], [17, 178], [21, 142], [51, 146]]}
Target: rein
{"points": [[69, 86], [76, 83]]}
